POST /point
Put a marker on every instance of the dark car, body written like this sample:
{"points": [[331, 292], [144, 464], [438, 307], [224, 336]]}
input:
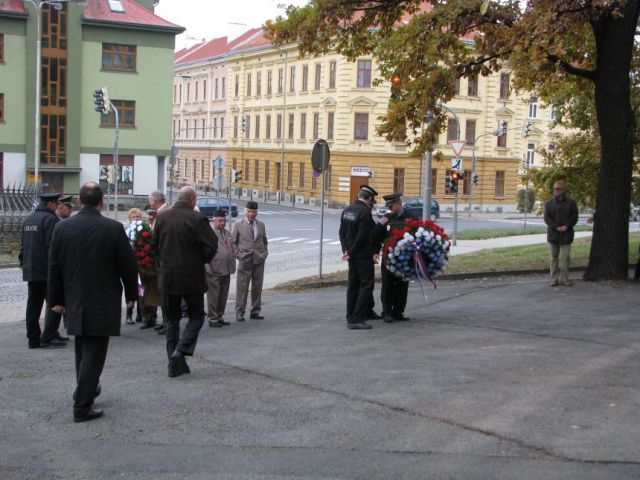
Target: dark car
{"points": [[208, 205], [413, 206]]}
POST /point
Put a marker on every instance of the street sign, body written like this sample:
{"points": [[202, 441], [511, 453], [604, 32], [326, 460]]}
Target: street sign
{"points": [[219, 182], [457, 146], [219, 162], [457, 164], [320, 156]]}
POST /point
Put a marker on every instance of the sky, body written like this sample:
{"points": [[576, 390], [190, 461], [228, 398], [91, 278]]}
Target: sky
{"points": [[207, 19]]}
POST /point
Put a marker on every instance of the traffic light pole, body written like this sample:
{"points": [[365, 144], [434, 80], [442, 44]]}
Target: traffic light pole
{"points": [[116, 160]]}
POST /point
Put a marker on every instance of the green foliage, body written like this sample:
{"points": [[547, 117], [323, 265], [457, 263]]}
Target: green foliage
{"points": [[531, 200]]}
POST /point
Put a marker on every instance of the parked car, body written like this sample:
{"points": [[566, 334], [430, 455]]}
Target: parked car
{"points": [[208, 205], [414, 208]]}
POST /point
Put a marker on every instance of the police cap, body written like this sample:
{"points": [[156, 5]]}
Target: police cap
{"points": [[49, 197], [391, 199], [220, 213], [369, 190], [67, 201]]}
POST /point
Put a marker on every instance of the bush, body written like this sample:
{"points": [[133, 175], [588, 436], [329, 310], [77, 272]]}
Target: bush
{"points": [[530, 203]]}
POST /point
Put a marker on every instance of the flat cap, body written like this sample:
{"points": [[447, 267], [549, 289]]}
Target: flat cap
{"points": [[392, 198], [369, 190], [49, 197], [220, 213], [252, 205]]}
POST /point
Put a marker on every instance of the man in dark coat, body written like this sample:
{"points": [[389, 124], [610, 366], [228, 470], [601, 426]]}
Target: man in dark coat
{"points": [[90, 262], [560, 215], [393, 294], [358, 247], [185, 242], [37, 230]]}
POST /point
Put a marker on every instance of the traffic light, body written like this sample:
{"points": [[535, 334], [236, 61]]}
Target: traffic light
{"points": [[101, 100], [476, 180], [456, 176], [447, 183], [526, 129], [502, 128], [236, 175], [244, 123], [396, 80]]}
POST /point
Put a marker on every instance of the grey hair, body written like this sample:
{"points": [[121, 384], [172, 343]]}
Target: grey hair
{"points": [[187, 193], [158, 196]]}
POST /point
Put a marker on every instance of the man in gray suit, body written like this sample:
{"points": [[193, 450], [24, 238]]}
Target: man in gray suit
{"points": [[249, 241], [219, 272]]}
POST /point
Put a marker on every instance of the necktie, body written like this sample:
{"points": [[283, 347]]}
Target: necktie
{"points": [[255, 230], [224, 238]]}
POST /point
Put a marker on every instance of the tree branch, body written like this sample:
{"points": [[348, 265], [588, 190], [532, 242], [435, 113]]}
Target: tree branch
{"points": [[567, 67]]}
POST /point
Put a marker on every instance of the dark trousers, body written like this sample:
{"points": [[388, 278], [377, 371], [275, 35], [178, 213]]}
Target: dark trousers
{"points": [[91, 353], [35, 301], [393, 293], [171, 307], [359, 289]]}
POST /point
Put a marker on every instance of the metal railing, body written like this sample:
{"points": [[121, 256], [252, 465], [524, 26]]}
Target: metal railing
{"points": [[16, 202]]}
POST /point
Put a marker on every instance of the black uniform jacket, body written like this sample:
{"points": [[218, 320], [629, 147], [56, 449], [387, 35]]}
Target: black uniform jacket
{"points": [[558, 213], [381, 232], [90, 261], [37, 230], [357, 231], [184, 241]]}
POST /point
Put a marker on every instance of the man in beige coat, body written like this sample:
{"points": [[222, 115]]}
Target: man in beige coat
{"points": [[219, 272], [250, 249]]}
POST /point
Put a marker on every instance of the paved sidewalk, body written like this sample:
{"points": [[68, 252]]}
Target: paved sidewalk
{"points": [[491, 379]]}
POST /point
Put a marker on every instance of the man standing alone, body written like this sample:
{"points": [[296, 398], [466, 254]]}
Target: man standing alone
{"points": [[560, 215], [219, 272], [185, 243], [90, 261], [250, 248]]}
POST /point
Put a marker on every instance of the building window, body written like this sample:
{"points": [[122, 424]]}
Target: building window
{"points": [[196, 91], [452, 130], [215, 90], [269, 82], [127, 112], [470, 132], [330, 116], [434, 181], [215, 128], [1, 107], [291, 126], [223, 90], [247, 127], [202, 124], [364, 73], [180, 93], [553, 113], [292, 79], [279, 126], [258, 84], [316, 126], [533, 107], [305, 78], [531, 154], [235, 126], [316, 84], [466, 182], [280, 80], [551, 148], [361, 126], [502, 139], [188, 91], [332, 74], [267, 171], [398, 180], [1, 47], [119, 58], [301, 177], [204, 89], [456, 86], [246, 168], [221, 127], [504, 86], [499, 184], [107, 177], [256, 133], [289, 174], [236, 88], [201, 169], [268, 132], [174, 93], [303, 126], [472, 86], [256, 170], [248, 84]]}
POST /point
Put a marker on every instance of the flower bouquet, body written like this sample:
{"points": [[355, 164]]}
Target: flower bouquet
{"points": [[139, 233], [418, 250]]}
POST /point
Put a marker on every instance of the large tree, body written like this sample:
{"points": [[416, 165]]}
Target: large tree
{"points": [[551, 46]]}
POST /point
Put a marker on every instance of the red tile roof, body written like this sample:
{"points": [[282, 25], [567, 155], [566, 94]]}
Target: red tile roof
{"points": [[12, 6], [201, 51], [134, 14]]}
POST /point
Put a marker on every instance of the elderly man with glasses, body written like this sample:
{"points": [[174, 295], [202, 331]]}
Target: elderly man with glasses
{"points": [[560, 215]]}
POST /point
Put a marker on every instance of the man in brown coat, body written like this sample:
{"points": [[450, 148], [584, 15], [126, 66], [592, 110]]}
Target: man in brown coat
{"points": [[185, 243], [250, 248], [560, 215], [219, 271]]}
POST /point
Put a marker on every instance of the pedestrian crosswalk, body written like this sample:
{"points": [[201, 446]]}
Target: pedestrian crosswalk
{"points": [[305, 240], [288, 212]]}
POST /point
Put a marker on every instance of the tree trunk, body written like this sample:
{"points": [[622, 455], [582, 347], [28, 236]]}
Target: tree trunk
{"points": [[609, 255]]}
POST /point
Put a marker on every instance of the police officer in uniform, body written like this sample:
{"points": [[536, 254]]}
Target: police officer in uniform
{"points": [[65, 208], [393, 294], [37, 230], [359, 247]]}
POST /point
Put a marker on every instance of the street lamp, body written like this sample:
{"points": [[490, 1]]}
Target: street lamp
{"points": [[37, 5]]}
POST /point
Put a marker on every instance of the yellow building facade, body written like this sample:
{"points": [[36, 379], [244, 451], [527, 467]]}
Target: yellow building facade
{"points": [[277, 105]]}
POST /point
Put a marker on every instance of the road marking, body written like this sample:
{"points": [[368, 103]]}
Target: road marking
{"points": [[334, 243], [277, 239], [318, 241], [295, 240]]}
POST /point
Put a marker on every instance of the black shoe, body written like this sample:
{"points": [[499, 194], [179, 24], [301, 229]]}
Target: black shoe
{"points": [[359, 326], [387, 317], [159, 327], [60, 337], [372, 315], [401, 318], [239, 318], [162, 331], [256, 316], [86, 416], [129, 320], [34, 343], [145, 326], [178, 364], [96, 395], [215, 324], [53, 343], [223, 323]]}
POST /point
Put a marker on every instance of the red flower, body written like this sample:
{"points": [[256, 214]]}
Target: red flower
{"points": [[145, 234], [147, 248]]}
